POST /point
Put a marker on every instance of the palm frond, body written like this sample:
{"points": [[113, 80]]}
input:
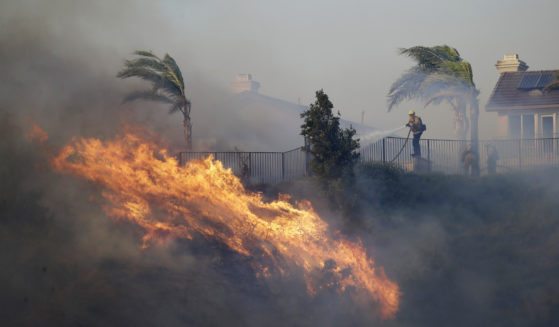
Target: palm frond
{"points": [[553, 85], [147, 63], [174, 68], [425, 58], [167, 87], [438, 98], [430, 59], [145, 53], [173, 91], [164, 75], [446, 94], [141, 72], [406, 87], [441, 80], [460, 69], [176, 107], [448, 53]]}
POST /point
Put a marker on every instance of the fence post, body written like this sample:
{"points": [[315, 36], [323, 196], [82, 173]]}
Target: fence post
{"points": [[383, 150], [519, 154], [307, 159], [249, 166], [283, 166], [428, 156]]}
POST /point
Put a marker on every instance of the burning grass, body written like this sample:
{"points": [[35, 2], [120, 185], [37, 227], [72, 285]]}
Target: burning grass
{"points": [[465, 253], [144, 185]]}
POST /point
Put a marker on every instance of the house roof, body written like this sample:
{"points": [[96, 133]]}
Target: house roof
{"points": [[265, 123], [523, 90], [293, 110]]}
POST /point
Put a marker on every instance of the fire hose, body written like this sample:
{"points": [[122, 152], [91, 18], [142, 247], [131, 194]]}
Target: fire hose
{"points": [[402, 149]]}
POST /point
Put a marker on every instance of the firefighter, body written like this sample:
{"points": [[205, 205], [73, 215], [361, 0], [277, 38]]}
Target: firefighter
{"points": [[417, 128], [492, 157], [470, 160]]}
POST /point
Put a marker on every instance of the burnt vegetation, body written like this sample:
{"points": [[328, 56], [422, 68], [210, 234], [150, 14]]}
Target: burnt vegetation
{"points": [[464, 251]]}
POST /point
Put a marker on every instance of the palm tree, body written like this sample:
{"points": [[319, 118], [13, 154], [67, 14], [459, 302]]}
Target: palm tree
{"points": [[167, 85], [554, 84], [454, 80], [440, 75]]}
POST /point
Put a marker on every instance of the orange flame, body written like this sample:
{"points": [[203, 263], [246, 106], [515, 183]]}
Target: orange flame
{"points": [[147, 186], [36, 133]]}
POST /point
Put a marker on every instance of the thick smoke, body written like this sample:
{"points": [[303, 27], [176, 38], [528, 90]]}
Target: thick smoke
{"points": [[464, 252], [59, 62]]}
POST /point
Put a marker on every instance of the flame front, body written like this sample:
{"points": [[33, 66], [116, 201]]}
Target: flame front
{"points": [[147, 186], [36, 132]]}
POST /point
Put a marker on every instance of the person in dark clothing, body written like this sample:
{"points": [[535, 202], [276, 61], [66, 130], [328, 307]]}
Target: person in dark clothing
{"points": [[492, 157], [470, 160], [417, 128]]}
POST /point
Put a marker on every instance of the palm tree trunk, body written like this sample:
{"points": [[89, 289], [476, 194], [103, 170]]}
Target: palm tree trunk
{"points": [[460, 121], [187, 132]]}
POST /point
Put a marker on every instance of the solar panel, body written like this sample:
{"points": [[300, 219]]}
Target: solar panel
{"points": [[544, 80], [535, 81], [529, 81]]}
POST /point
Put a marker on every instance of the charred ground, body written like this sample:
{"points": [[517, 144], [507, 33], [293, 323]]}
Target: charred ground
{"points": [[464, 251]]}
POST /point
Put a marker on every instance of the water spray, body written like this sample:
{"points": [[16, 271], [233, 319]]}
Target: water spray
{"points": [[377, 135]]}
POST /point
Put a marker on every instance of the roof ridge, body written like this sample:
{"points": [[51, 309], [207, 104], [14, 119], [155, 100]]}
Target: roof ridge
{"points": [[531, 72], [541, 71]]}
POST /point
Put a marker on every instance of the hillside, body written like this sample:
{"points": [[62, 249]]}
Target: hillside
{"points": [[464, 252]]}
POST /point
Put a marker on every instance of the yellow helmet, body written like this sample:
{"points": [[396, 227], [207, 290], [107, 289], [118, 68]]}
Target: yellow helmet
{"points": [[411, 112]]}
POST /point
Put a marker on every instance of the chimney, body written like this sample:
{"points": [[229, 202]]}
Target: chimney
{"points": [[511, 63], [243, 83]]}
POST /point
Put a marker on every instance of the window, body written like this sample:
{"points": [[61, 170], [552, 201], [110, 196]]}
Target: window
{"points": [[547, 126], [547, 131], [514, 127], [528, 127]]}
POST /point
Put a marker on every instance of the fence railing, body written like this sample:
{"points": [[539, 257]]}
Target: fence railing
{"points": [[440, 155], [445, 155], [258, 167]]}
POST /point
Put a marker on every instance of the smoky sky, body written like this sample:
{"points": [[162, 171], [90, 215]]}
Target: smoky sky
{"points": [[59, 62], [292, 48], [350, 50]]}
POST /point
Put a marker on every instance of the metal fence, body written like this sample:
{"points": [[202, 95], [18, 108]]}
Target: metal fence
{"points": [[445, 155], [439, 155], [258, 167]]}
